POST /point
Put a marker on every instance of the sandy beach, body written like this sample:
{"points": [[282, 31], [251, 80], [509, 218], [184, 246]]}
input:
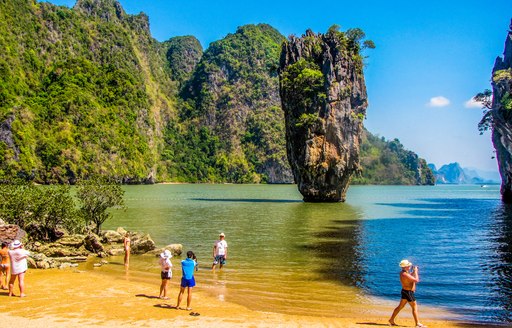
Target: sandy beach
{"points": [[84, 298]]}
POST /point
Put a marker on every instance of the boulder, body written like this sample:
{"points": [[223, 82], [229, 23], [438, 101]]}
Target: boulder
{"points": [[175, 249], [111, 236], [92, 243], [75, 241], [10, 232], [142, 243]]}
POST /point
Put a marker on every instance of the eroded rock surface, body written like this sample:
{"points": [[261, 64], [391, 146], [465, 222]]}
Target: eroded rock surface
{"points": [[323, 95], [502, 117]]}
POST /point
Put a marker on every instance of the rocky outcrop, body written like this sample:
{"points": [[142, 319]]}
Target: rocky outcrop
{"points": [[501, 112], [323, 95], [10, 232]]}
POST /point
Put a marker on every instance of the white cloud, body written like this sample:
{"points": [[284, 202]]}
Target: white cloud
{"points": [[438, 101], [472, 103]]}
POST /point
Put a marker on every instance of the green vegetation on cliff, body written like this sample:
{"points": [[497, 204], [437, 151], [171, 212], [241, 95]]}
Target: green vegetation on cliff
{"points": [[87, 91], [388, 163], [230, 114], [79, 91]]}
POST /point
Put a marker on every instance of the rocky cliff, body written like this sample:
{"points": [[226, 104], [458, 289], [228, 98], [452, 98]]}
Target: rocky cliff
{"points": [[501, 111], [323, 96]]}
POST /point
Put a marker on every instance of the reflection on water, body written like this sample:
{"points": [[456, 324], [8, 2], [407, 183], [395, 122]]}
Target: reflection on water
{"points": [[290, 257]]}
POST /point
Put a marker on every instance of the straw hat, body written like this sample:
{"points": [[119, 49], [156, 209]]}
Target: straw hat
{"points": [[222, 234], [405, 263]]}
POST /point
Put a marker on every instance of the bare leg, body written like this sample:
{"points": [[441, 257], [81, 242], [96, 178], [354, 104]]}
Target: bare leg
{"points": [[189, 298], [180, 295], [397, 310], [127, 258], [11, 284], [21, 283], [163, 288], [7, 276], [414, 307], [2, 278]]}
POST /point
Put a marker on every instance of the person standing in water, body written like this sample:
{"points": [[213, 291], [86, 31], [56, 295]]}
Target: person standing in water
{"points": [[408, 282], [187, 280], [5, 266], [127, 248], [220, 252], [19, 266]]}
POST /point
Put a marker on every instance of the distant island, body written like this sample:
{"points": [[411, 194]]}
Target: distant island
{"points": [[453, 173]]}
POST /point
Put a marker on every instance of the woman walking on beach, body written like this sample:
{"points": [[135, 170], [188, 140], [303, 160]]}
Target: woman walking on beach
{"points": [[127, 247], [18, 267], [5, 266], [166, 273]]}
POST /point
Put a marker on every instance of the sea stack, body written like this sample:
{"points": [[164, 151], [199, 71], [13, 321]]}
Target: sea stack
{"points": [[323, 96], [502, 117]]}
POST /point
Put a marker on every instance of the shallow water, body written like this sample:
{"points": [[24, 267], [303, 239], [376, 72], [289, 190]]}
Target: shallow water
{"points": [[293, 257]]}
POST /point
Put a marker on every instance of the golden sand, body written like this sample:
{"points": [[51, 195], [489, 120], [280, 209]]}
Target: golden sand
{"points": [[77, 298]]}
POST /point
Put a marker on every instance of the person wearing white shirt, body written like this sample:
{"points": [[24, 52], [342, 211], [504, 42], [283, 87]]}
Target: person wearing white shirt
{"points": [[19, 266], [220, 252]]}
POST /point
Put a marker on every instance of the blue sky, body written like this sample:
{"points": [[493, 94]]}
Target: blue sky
{"points": [[431, 58]]}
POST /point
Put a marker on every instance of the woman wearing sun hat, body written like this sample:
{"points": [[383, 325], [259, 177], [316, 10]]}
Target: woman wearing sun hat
{"points": [[18, 267], [166, 273], [408, 282]]}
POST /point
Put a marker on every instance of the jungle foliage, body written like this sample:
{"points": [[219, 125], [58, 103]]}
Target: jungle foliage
{"points": [[87, 91]]}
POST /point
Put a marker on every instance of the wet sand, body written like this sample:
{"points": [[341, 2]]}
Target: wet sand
{"points": [[85, 298]]}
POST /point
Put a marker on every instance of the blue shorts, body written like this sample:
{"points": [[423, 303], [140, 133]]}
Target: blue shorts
{"points": [[187, 282], [220, 259]]}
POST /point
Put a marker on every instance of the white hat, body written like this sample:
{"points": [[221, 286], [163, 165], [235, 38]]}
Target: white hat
{"points": [[222, 234], [16, 244], [166, 254], [405, 263]]}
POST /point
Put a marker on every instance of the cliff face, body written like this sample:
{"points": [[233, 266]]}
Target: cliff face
{"points": [[323, 96], [502, 117], [234, 95]]}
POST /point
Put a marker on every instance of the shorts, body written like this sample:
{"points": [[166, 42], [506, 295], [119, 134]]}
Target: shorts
{"points": [[188, 282], [220, 259], [408, 295], [166, 275]]}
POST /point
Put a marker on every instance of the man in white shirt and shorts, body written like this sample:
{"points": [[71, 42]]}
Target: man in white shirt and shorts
{"points": [[220, 252]]}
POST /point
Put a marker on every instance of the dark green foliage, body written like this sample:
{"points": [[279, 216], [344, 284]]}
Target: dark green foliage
{"points": [[80, 85], [183, 54], [388, 163], [40, 210], [96, 195], [233, 95]]}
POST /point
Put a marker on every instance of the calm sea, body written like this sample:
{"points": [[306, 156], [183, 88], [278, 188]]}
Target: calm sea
{"points": [[293, 257]]}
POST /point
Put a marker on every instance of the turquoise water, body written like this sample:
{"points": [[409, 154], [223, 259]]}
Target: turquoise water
{"points": [[287, 256]]}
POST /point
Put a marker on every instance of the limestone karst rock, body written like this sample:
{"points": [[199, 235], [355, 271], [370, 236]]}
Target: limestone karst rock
{"points": [[501, 111], [323, 96]]}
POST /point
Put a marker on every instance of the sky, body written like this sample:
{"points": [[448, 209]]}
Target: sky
{"points": [[431, 58]]}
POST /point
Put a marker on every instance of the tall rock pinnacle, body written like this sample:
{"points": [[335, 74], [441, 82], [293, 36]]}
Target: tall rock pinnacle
{"points": [[323, 95], [502, 116]]}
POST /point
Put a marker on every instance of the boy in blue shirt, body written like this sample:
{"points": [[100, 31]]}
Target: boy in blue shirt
{"points": [[187, 280]]}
